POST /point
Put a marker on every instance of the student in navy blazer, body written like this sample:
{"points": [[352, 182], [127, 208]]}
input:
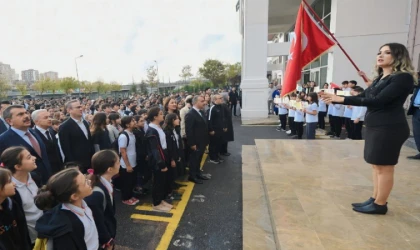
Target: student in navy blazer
{"points": [[105, 165], [20, 122]]}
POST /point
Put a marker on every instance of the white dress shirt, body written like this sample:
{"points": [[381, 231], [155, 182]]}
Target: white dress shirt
{"points": [[27, 192], [162, 135], [43, 132], [85, 216], [81, 126]]}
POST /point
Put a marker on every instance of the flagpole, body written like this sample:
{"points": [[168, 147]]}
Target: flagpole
{"points": [[333, 37]]}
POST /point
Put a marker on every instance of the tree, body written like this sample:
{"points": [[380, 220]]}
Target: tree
{"points": [[133, 88], [186, 72], [4, 87], [87, 87], [151, 77], [68, 85], [233, 72], [22, 87], [213, 70], [143, 87], [53, 85], [115, 87], [100, 87], [42, 86]]}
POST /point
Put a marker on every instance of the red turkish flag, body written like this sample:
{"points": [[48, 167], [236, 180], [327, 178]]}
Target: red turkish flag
{"points": [[309, 43], [334, 86]]}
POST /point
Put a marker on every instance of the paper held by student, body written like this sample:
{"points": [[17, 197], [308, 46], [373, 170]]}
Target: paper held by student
{"points": [[343, 93]]}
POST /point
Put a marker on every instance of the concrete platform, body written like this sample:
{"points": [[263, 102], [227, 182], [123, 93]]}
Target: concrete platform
{"points": [[310, 185], [257, 223]]}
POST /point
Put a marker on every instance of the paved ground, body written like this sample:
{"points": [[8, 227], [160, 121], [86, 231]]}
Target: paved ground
{"points": [[211, 217], [216, 223]]}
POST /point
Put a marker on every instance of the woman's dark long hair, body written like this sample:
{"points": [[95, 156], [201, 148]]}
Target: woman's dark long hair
{"points": [[402, 61], [59, 189], [314, 97], [113, 117], [101, 161], [169, 121], [12, 157], [98, 123]]}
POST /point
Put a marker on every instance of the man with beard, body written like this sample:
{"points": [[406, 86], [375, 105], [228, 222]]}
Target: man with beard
{"points": [[20, 134]]}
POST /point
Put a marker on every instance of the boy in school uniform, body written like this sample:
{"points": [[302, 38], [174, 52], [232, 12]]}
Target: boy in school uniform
{"points": [[358, 116]]}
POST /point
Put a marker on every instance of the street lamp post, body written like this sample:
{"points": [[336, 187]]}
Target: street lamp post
{"points": [[77, 71]]}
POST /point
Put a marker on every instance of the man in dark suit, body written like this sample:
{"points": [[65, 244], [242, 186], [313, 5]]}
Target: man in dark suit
{"points": [[3, 124], [75, 138], [43, 122], [414, 110], [233, 99], [197, 138], [20, 134]]}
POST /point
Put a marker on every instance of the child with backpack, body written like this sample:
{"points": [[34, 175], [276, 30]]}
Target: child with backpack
{"points": [[20, 162], [105, 165], [12, 219], [128, 170], [68, 222]]}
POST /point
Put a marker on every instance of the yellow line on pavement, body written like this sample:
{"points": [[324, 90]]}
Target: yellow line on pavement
{"points": [[150, 217], [177, 214]]}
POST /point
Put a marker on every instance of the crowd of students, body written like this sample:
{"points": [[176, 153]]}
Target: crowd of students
{"points": [[313, 111], [139, 144]]}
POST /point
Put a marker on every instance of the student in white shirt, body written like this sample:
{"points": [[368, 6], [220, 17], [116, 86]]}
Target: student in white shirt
{"points": [[105, 165], [299, 120], [128, 171], [337, 113], [67, 222], [322, 112], [291, 117], [20, 162], [283, 111], [348, 110], [358, 116], [311, 115]]}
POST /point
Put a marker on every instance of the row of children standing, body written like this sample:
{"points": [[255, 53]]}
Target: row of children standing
{"points": [[349, 117], [298, 117], [313, 115]]}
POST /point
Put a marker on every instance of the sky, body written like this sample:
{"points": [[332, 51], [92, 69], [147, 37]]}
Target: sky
{"points": [[118, 39]]}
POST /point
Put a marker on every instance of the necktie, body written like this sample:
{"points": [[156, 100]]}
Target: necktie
{"points": [[34, 143], [48, 135]]}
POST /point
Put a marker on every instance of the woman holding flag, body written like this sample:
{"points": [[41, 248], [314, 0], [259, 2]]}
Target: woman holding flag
{"points": [[386, 125]]}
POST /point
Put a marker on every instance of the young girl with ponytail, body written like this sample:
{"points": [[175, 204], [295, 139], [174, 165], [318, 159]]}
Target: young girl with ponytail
{"points": [[68, 222], [20, 162], [105, 165]]}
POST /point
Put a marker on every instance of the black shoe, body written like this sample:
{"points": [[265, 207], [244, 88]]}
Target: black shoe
{"points": [[414, 157], [362, 204], [195, 180], [203, 177], [225, 154], [372, 208]]}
